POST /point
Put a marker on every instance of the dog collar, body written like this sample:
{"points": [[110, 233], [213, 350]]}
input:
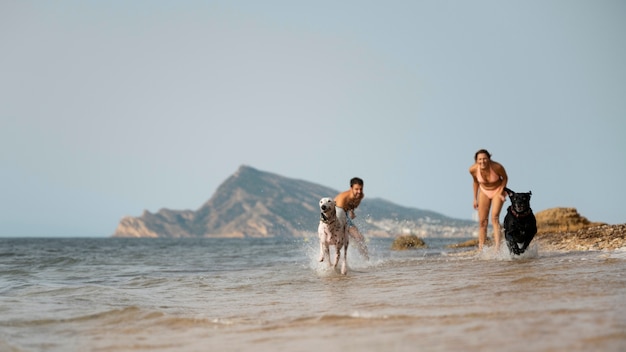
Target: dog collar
{"points": [[520, 215]]}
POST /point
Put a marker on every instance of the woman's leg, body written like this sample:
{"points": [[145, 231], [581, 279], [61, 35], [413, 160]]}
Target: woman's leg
{"points": [[495, 219], [483, 218]]}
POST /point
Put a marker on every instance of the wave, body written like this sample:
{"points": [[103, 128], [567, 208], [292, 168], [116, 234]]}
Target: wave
{"points": [[354, 319], [124, 317]]}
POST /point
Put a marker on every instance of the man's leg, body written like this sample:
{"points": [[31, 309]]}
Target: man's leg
{"points": [[354, 233]]}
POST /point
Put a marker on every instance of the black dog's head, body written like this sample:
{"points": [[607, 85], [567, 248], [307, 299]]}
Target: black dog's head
{"points": [[520, 202]]}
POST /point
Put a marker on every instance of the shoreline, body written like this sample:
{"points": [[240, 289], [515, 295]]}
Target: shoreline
{"points": [[593, 238]]}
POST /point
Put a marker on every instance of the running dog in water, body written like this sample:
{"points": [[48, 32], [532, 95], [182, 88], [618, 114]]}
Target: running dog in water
{"points": [[332, 232], [520, 225]]}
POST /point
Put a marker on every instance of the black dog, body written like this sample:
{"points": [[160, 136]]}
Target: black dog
{"points": [[520, 225]]}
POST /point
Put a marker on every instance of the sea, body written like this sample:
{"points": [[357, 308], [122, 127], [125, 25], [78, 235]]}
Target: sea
{"points": [[272, 294]]}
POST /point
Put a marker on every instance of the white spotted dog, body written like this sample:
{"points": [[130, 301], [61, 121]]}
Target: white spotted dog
{"points": [[332, 232]]}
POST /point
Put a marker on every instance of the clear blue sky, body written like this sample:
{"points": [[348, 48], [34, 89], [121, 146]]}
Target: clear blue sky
{"points": [[108, 108]]}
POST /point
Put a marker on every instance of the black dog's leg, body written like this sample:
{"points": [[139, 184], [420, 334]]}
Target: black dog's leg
{"points": [[530, 232], [524, 247], [511, 243], [527, 242], [513, 248], [510, 237], [509, 229]]}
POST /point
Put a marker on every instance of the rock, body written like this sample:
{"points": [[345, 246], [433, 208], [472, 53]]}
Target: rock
{"points": [[561, 219], [470, 243], [407, 242]]}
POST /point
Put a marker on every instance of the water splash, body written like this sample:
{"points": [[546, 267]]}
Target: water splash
{"points": [[356, 261], [503, 253]]}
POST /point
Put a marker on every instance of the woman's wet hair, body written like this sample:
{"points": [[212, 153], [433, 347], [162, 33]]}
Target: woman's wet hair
{"points": [[482, 151]]}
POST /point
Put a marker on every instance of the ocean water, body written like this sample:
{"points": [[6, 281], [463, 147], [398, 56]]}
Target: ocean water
{"points": [[112, 294]]}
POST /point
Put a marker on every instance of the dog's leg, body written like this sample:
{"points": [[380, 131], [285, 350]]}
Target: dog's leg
{"points": [[511, 243], [524, 247], [344, 264], [326, 253], [337, 254], [527, 242], [515, 249], [321, 233], [324, 235], [511, 234]]}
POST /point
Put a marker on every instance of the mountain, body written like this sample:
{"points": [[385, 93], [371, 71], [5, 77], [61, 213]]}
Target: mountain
{"points": [[253, 203]]}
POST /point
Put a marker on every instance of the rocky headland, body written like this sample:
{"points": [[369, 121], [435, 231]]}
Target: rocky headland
{"points": [[255, 203]]}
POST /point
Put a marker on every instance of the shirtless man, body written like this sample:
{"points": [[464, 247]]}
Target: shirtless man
{"points": [[346, 203], [489, 181]]}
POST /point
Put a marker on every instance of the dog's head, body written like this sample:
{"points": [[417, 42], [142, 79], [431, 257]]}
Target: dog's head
{"points": [[327, 208], [520, 202]]}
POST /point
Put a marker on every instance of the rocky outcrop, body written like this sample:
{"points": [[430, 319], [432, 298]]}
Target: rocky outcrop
{"points": [[407, 242], [561, 219], [602, 237], [133, 227], [470, 243], [174, 223], [564, 229]]}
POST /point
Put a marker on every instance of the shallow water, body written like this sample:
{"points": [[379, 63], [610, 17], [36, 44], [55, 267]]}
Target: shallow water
{"points": [[272, 294]]}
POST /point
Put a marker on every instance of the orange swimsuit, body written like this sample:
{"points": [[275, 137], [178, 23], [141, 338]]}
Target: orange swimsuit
{"points": [[493, 177]]}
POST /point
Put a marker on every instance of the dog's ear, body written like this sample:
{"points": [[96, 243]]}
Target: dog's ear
{"points": [[530, 193], [509, 192]]}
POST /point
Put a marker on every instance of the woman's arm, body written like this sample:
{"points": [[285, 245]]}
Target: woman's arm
{"points": [[472, 172]]}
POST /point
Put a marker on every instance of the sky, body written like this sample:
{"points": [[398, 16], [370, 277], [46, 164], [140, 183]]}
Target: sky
{"points": [[110, 108]]}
